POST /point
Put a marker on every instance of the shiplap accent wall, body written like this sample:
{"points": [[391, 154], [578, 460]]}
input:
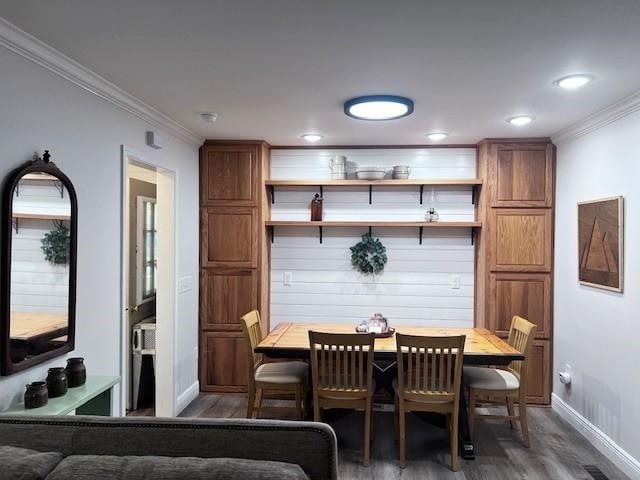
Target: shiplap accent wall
{"points": [[37, 285], [415, 287]]}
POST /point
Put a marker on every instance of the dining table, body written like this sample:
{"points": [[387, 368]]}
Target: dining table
{"points": [[291, 340]]}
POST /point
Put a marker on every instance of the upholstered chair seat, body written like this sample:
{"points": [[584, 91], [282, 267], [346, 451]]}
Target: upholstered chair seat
{"points": [[282, 372], [490, 379]]}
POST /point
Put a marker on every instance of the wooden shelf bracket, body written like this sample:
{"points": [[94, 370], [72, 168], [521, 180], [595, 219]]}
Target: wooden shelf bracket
{"points": [[15, 223]]}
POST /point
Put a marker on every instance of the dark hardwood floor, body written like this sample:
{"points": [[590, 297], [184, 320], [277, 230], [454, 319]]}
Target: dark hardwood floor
{"points": [[558, 451]]}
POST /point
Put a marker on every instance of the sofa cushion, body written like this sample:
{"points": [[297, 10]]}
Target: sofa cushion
{"points": [[23, 464], [107, 467]]}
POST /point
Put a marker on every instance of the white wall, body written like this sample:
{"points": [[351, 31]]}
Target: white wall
{"points": [[415, 286], [595, 331], [84, 134]]}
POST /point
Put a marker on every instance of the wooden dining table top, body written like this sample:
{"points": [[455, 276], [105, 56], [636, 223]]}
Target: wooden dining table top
{"points": [[30, 325], [481, 346]]}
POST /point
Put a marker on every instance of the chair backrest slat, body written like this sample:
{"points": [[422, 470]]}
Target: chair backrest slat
{"points": [[342, 362], [253, 336], [521, 335], [429, 365]]}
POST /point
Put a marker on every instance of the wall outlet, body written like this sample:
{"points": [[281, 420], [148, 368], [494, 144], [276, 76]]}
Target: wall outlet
{"points": [[455, 282], [185, 284], [288, 278]]}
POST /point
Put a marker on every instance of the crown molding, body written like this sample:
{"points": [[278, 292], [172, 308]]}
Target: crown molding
{"points": [[29, 47], [604, 117]]}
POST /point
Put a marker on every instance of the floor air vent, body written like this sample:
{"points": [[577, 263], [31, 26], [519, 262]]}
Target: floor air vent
{"points": [[595, 472]]}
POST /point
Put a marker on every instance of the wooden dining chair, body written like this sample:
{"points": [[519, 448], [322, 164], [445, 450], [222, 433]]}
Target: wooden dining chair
{"points": [[498, 385], [281, 376], [342, 373], [429, 373]]}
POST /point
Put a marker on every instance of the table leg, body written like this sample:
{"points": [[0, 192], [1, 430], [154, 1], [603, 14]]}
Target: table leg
{"points": [[464, 435]]}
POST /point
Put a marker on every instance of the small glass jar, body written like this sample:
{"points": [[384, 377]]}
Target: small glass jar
{"points": [[36, 395], [57, 382], [76, 372]]}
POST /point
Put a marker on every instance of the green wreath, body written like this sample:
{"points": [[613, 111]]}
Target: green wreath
{"points": [[56, 245], [369, 255]]}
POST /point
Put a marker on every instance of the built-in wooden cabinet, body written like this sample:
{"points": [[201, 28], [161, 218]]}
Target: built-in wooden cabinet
{"points": [[521, 239], [234, 257], [514, 250], [529, 294]]}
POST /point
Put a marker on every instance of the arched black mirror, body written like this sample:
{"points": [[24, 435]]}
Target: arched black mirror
{"points": [[39, 218]]}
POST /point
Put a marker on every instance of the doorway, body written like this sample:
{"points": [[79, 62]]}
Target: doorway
{"points": [[148, 293]]}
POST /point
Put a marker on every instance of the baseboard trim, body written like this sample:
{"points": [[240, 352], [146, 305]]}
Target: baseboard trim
{"points": [[31, 48], [186, 397], [610, 449]]}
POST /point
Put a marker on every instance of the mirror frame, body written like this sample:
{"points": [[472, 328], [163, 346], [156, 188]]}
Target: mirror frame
{"points": [[7, 367]]}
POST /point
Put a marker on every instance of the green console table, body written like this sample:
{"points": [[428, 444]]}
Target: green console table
{"points": [[92, 398]]}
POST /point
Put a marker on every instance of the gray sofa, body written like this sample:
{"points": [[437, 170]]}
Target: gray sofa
{"points": [[132, 448]]}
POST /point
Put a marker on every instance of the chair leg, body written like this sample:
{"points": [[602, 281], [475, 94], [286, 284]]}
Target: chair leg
{"points": [[402, 431], [258, 403], [454, 440], [299, 401], [396, 416], [472, 411], [510, 409], [251, 399], [522, 413], [316, 410], [367, 433]]}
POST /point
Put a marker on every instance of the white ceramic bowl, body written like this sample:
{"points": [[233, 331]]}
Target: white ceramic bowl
{"points": [[370, 174]]}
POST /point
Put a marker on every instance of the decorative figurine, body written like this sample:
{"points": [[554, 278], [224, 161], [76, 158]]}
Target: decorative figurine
{"points": [[431, 215]]}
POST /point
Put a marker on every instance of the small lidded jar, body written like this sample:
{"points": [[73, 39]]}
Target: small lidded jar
{"points": [[36, 395], [57, 382], [76, 372]]}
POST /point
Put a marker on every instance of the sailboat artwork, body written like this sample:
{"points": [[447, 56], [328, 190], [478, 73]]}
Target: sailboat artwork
{"points": [[600, 243]]}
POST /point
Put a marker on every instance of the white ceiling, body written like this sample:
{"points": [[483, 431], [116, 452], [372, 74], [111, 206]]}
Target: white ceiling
{"points": [[275, 69]]}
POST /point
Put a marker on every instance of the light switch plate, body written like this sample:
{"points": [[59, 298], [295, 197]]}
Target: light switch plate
{"points": [[288, 278], [455, 282], [185, 284]]}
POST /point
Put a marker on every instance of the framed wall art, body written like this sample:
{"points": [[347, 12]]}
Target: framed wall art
{"points": [[600, 243]]}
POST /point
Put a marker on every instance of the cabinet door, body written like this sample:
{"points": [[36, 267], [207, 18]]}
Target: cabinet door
{"points": [[523, 176], [229, 237], [521, 240], [539, 379], [525, 294], [223, 365], [227, 295], [228, 175]]}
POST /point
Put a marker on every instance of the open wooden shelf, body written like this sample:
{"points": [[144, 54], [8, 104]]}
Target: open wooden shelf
{"points": [[42, 216], [474, 183], [370, 223], [353, 182], [271, 224], [45, 177]]}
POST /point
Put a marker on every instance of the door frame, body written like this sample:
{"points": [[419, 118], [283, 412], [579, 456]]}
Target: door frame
{"points": [[166, 301]]}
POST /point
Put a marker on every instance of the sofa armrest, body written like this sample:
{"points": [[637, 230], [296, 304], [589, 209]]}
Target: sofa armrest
{"points": [[308, 444]]}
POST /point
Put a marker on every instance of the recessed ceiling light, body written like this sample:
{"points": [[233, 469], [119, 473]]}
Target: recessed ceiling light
{"points": [[436, 136], [378, 107], [577, 80], [209, 117], [312, 137], [520, 120]]}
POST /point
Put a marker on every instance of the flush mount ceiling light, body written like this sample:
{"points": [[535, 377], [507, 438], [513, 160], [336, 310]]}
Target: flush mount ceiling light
{"points": [[378, 107], [520, 120], [312, 137], [577, 80], [209, 117], [436, 136]]}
